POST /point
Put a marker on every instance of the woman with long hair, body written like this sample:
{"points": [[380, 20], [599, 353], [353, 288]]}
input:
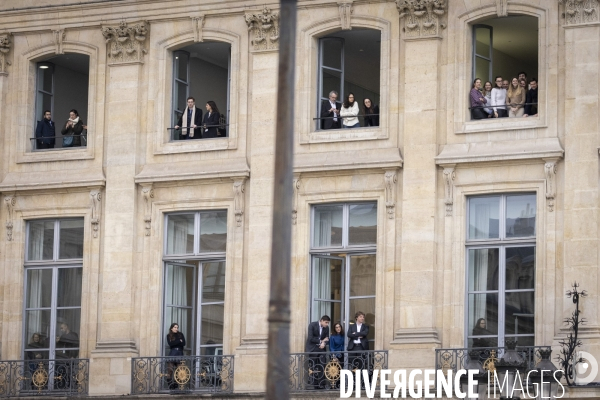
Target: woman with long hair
{"points": [[515, 99], [72, 130], [480, 329], [371, 112], [176, 342], [487, 93], [210, 124], [337, 340], [349, 112], [499, 99], [477, 100]]}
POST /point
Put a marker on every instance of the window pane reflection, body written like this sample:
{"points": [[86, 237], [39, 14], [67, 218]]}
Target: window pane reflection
{"points": [[69, 287], [71, 239], [41, 240], [180, 234], [520, 268], [483, 269], [212, 324], [520, 215], [484, 217], [213, 282], [362, 275], [327, 230], [39, 288], [362, 227], [213, 231]]}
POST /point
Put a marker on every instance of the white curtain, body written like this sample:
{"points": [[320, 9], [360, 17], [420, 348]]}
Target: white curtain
{"points": [[321, 287], [178, 291], [36, 241], [178, 234], [34, 319], [480, 262]]}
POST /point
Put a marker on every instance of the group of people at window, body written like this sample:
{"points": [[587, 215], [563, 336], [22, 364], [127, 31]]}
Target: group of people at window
{"points": [[335, 115], [193, 126], [515, 99], [72, 131], [37, 348]]}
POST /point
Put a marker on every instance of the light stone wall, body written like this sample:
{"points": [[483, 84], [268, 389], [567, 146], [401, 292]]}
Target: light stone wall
{"points": [[419, 166]]}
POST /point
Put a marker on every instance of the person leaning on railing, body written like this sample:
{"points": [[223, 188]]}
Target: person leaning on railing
{"points": [[371, 112], [499, 99], [477, 100], [45, 129], [349, 112], [72, 130], [515, 99], [531, 99], [211, 121]]}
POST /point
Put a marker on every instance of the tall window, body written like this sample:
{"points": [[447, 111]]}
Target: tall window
{"points": [[53, 270], [349, 62], [343, 248], [202, 71], [501, 269], [62, 85], [194, 268]]}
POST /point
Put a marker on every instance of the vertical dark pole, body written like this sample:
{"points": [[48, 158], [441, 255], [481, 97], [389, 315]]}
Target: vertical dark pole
{"points": [[279, 304]]}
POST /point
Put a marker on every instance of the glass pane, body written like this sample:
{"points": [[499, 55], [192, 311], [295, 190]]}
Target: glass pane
{"points": [[362, 275], [332, 53], [213, 231], [212, 324], [327, 230], [367, 306], [327, 279], [181, 65], [43, 103], [482, 42], [212, 351], [71, 239], [69, 287], [483, 217], [332, 80], [213, 282], [180, 97], [39, 288], [519, 312], [38, 322], [180, 234], [362, 227], [483, 269], [520, 268], [483, 317], [184, 318], [67, 333], [520, 215], [45, 78], [482, 70], [331, 308], [180, 285], [41, 240]]}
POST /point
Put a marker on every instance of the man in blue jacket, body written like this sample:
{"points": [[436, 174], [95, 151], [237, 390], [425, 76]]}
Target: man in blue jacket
{"points": [[46, 130]]}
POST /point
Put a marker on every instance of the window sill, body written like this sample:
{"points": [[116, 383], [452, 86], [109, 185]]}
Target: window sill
{"points": [[499, 124], [346, 135], [197, 145], [60, 154]]}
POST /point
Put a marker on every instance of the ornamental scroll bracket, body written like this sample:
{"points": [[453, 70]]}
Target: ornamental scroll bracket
{"points": [[148, 194], [345, 11], [550, 173], [5, 44], [422, 18], [295, 198], [390, 179], [238, 200], [59, 36], [96, 197], [579, 12], [126, 44], [449, 176], [264, 29], [10, 202], [198, 26]]}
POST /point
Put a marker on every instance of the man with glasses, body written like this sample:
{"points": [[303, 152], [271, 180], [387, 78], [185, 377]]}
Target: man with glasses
{"points": [[330, 112]]}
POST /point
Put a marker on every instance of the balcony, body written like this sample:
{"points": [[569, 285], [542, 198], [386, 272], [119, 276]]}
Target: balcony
{"points": [[321, 371], [60, 377], [456, 359], [59, 142], [182, 375]]}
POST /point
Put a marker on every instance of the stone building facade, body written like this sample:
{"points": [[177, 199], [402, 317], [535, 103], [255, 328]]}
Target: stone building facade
{"points": [[411, 183]]}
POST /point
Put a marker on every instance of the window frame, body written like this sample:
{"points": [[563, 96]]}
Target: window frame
{"points": [[176, 80]]}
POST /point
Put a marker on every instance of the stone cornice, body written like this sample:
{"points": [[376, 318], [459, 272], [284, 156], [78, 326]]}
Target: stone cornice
{"points": [[580, 12]]}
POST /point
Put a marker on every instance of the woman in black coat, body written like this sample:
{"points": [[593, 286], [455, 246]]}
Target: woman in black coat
{"points": [[371, 112], [175, 340], [211, 121], [72, 130]]}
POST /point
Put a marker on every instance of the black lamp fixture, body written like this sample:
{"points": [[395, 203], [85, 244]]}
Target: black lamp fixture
{"points": [[510, 368]]}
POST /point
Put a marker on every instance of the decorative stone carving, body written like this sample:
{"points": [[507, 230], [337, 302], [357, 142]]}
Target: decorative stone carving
{"points": [[238, 203], [391, 178], [550, 172], [345, 9], [59, 36], [96, 196], [4, 49], [148, 194], [422, 17], [580, 11], [264, 28], [125, 44], [198, 25], [10, 202], [295, 198], [502, 8], [449, 176]]}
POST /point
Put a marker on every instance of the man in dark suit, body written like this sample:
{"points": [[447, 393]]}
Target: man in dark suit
{"points": [[316, 342], [531, 99], [330, 112], [357, 333], [192, 124], [45, 129]]}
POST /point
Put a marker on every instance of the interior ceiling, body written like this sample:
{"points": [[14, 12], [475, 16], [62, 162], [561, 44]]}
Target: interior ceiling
{"points": [[77, 62], [367, 42], [516, 36], [214, 52]]}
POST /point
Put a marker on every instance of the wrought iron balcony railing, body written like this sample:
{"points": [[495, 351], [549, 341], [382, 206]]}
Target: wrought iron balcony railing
{"points": [[60, 377], [182, 374], [322, 371]]}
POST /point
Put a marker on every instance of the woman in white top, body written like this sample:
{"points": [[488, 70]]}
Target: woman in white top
{"points": [[349, 112], [499, 99]]}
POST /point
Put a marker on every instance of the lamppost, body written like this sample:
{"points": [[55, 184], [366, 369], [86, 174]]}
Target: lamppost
{"points": [[473, 363], [510, 368]]}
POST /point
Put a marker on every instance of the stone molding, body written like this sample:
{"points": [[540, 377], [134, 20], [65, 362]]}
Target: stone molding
{"points": [[198, 26], [422, 18], [10, 201], [416, 336], [502, 8], [264, 29], [449, 176], [580, 12], [125, 44], [295, 198], [238, 201], [391, 179], [5, 44], [116, 346], [59, 36], [345, 10], [96, 197], [550, 173], [148, 194]]}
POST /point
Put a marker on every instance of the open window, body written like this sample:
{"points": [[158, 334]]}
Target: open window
{"points": [[349, 62], [62, 85], [202, 71]]}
